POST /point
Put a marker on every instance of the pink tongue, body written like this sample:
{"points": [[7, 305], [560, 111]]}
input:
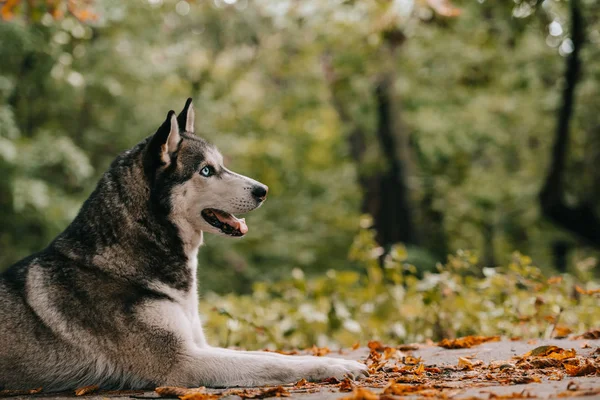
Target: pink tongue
{"points": [[239, 224]]}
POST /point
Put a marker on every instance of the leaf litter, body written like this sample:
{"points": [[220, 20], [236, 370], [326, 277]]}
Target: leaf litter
{"points": [[395, 372]]}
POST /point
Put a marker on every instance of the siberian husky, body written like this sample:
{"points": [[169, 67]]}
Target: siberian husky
{"points": [[112, 301]]}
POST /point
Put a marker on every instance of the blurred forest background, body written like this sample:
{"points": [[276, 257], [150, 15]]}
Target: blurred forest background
{"points": [[391, 133]]}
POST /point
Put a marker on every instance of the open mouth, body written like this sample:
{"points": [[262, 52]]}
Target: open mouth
{"points": [[225, 222]]}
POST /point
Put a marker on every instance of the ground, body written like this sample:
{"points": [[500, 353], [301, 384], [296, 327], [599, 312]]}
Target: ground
{"points": [[494, 369]]}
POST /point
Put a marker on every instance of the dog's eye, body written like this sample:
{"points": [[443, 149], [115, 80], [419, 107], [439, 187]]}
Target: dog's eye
{"points": [[207, 171]]}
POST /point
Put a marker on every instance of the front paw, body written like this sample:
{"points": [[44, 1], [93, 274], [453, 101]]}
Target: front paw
{"points": [[336, 368]]}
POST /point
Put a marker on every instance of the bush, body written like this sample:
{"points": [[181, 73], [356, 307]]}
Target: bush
{"points": [[390, 303]]}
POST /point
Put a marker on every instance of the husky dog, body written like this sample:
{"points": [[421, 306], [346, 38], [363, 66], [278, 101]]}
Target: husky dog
{"points": [[112, 301]]}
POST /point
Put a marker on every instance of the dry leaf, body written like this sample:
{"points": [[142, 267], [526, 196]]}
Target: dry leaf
{"points": [[517, 395], [561, 331], [82, 391], [175, 391], [355, 345], [200, 396], [399, 389], [320, 351], [10, 393], [410, 360], [301, 382], [346, 385], [467, 341], [591, 334], [361, 394], [554, 352], [375, 345], [588, 368], [389, 352], [419, 370], [520, 380], [465, 363], [408, 347], [262, 393]]}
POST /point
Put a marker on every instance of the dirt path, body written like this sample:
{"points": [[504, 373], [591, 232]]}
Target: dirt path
{"points": [[492, 370]]}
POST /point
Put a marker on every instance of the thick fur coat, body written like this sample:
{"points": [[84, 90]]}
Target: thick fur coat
{"points": [[112, 301]]}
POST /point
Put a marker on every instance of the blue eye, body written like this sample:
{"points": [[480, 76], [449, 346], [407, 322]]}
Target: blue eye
{"points": [[207, 171]]}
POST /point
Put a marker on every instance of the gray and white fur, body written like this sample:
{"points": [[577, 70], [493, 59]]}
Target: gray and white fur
{"points": [[112, 301]]}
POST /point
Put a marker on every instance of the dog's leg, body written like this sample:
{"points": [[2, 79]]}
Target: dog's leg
{"points": [[228, 368], [296, 357]]}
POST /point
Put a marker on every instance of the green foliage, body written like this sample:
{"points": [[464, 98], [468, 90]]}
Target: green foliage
{"points": [[478, 95], [393, 305]]}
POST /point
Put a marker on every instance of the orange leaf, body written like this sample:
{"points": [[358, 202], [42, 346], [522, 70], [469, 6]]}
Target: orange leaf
{"points": [[399, 389], [467, 341], [580, 370], [554, 280], [362, 394], [175, 391], [346, 385], [376, 345], [82, 391], [320, 351], [8, 8]]}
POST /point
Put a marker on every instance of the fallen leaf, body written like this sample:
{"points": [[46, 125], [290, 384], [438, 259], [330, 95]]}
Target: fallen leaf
{"points": [[301, 382], [410, 360], [320, 351], [591, 334], [399, 389], [262, 393], [408, 347], [517, 395], [200, 396], [362, 394], [588, 368], [419, 370], [82, 391], [561, 331], [555, 352], [175, 391], [355, 345], [375, 345], [520, 380], [464, 363], [10, 393], [346, 385], [467, 341], [389, 352]]}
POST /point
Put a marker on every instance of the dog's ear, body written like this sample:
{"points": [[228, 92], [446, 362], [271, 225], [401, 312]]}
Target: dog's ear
{"points": [[186, 117], [165, 141]]}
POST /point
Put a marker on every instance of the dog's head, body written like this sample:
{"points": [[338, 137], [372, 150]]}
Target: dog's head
{"points": [[189, 181]]}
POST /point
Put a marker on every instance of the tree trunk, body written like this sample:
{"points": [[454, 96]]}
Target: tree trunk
{"points": [[581, 219]]}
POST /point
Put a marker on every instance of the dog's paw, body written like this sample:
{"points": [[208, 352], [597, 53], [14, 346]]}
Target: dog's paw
{"points": [[336, 368]]}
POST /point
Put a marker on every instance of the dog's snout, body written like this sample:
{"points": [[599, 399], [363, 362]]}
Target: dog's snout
{"points": [[260, 192]]}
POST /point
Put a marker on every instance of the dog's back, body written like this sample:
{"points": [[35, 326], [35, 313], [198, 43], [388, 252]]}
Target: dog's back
{"points": [[28, 345]]}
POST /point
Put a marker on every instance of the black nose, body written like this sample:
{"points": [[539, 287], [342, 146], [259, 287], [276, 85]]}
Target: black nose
{"points": [[260, 192]]}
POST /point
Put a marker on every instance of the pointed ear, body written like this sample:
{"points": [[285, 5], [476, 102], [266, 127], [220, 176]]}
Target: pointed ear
{"points": [[186, 117], [165, 141]]}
